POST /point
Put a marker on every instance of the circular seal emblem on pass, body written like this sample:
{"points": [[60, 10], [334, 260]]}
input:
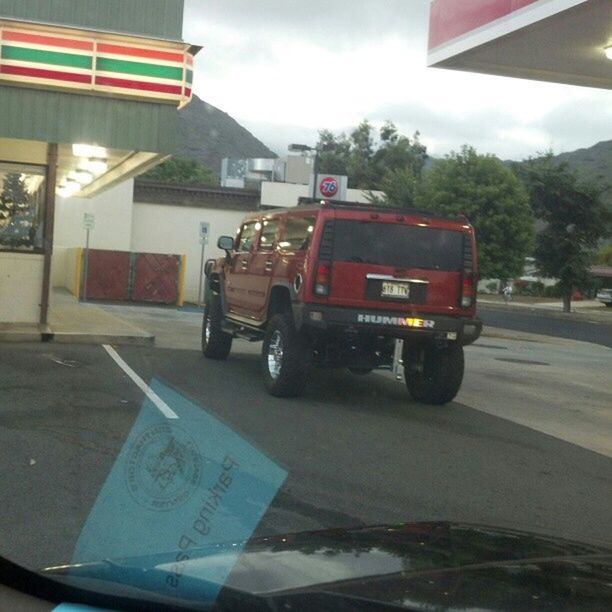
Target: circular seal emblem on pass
{"points": [[164, 468], [329, 187]]}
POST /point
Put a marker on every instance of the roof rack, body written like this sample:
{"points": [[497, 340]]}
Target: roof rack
{"points": [[323, 203]]}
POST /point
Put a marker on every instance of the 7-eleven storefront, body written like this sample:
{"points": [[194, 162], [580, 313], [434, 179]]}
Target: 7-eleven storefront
{"points": [[82, 110]]}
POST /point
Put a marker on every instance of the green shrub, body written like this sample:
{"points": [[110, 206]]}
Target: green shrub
{"points": [[553, 291]]}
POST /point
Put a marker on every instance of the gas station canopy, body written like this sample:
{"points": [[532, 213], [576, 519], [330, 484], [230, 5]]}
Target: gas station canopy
{"points": [[563, 41]]}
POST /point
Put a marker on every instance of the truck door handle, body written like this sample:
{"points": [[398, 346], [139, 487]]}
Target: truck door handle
{"points": [[269, 264]]}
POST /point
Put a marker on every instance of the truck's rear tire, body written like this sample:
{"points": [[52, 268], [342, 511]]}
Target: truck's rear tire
{"points": [[216, 344], [285, 358], [433, 375]]}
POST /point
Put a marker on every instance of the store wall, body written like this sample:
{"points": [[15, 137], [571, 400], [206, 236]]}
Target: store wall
{"points": [[21, 277], [113, 219], [159, 18], [159, 228]]}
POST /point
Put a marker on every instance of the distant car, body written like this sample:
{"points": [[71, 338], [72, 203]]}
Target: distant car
{"points": [[605, 296]]}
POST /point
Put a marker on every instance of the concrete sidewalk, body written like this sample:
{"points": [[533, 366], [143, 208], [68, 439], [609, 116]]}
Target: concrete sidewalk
{"points": [[577, 305], [84, 322], [71, 321]]}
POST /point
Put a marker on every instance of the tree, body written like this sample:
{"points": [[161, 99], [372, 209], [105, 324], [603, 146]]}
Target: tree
{"points": [[575, 219], [400, 187], [360, 161], [398, 152], [603, 256], [14, 196], [495, 202], [371, 162], [333, 152], [17, 212], [183, 172]]}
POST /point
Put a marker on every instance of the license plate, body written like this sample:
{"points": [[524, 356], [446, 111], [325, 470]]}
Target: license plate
{"points": [[395, 290]]}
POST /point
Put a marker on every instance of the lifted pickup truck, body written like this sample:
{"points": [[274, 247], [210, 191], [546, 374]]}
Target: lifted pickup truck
{"points": [[334, 284]]}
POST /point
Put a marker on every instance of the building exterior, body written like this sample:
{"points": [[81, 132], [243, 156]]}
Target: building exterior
{"points": [[89, 93], [563, 41], [250, 173], [149, 217]]}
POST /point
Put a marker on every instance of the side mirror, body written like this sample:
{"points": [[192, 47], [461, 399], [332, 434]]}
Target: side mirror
{"points": [[225, 243]]}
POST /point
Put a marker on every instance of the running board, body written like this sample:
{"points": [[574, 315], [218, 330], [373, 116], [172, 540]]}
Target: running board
{"points": [[239, 329]]}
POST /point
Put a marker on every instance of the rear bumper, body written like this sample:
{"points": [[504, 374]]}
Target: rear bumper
{"points": [[464, 330]]}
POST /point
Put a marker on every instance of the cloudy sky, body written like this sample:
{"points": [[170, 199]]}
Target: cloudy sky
{"points": [[287, 68]]}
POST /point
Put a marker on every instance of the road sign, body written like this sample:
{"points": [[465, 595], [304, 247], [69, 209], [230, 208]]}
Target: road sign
{"points": [[89, 221], [329, 187], [204, 232]]}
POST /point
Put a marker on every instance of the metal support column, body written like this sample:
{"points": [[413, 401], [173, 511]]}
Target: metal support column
{"points": [[49, 231]]}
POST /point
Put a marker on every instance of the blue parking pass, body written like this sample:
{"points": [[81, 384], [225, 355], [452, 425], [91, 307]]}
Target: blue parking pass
{"points": [[183, 496], [67, 607]]}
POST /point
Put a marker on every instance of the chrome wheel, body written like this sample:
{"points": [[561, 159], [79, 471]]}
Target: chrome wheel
{"points": [[275, 354]]}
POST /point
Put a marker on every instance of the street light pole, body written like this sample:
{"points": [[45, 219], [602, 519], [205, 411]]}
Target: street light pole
{"points": [[314, 173]]}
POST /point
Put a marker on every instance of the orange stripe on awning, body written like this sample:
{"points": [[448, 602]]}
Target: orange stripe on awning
{"points": [[51, 41], [136, 52]]}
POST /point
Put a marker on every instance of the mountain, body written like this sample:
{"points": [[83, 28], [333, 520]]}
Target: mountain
{"points": [[208, 134], [593, 163]]}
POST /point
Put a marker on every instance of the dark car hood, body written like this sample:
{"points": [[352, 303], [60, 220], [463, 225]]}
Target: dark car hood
{"points": [[420, 566]]}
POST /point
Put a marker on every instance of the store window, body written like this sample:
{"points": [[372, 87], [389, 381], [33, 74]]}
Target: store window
{"points": [[22, 201]]}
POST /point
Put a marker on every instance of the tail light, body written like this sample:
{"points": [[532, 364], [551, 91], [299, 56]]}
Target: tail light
{"points": [[322, 279], [322, 282], [467, 283], [467, 294]]}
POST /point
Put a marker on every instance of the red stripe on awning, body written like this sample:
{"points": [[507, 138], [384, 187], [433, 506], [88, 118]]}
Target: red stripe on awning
{"points": [[136, 52], [54, 75], [139, 85], [52, 41], [450, 19]]}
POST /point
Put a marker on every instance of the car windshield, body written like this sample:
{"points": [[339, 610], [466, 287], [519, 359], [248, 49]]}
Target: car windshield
{"points": [[306, 305]]}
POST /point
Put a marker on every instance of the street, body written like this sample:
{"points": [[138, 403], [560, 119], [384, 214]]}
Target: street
{"points": [[527, 444], [584, 327]]}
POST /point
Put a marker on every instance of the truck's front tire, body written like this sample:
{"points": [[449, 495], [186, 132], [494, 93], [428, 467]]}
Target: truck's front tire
{"points": [[285, 358], [216, 344], [433, 375]]}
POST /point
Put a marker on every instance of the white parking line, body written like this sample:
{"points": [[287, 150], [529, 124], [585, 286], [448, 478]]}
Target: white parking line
{"points": [[141, 384]]}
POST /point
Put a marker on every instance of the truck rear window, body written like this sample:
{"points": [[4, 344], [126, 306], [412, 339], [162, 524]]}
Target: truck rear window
{"points": [[402, 246]]}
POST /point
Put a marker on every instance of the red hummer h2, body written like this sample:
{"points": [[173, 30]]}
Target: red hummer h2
{"points": [[334, 284]]}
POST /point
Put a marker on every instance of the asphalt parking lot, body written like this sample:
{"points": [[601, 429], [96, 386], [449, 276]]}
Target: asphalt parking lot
{"points": [[527, 444]]}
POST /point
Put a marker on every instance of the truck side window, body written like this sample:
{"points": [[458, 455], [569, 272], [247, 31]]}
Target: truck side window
{"points": [[268, 234], [297, 233], [247, 236]]}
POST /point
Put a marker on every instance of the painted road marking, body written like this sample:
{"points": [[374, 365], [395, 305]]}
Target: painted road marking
{"points": [[158, 402]]}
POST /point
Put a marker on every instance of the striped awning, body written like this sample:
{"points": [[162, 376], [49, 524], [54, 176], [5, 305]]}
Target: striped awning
{"points": [[95, 62]]}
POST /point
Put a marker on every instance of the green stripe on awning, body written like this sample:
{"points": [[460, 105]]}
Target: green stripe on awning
{"points": [[140, 68], [190, 76], [46, 57]]}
